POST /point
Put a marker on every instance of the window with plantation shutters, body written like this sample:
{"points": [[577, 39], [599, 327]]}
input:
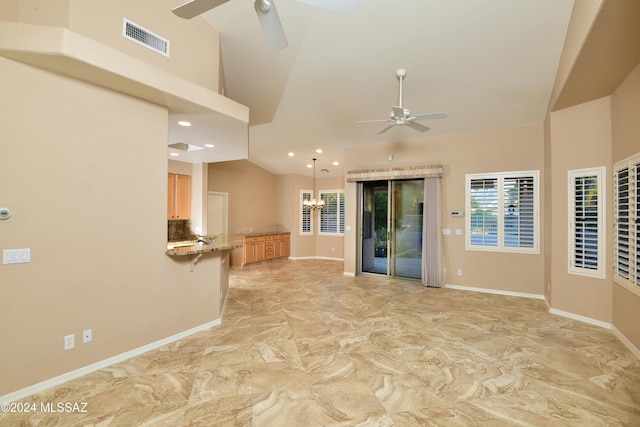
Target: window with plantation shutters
{"points": [[305, 214], [626, 263], [332, 215], [502, 212], [586, 222]]}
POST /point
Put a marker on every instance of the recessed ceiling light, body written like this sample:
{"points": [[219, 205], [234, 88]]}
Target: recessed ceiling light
{"points": [[335, 163], [291, 154], [184, 123], [174, 154], [209, 145], [309, 165], [319, 150]]}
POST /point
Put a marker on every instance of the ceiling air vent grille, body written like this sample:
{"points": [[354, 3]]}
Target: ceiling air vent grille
{"points": [[144, 37]]}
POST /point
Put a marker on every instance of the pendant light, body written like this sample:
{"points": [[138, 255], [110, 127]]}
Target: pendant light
{"points": [[313, 204]]}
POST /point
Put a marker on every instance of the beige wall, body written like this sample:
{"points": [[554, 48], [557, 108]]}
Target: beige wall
{"points": [[89, 197], [580, 138], [277, 202], [501, 150], [192, 42], [625, 105]]}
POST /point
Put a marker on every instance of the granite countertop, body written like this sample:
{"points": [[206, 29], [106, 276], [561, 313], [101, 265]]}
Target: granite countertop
{"points": [[266, 233], [220, 243]]}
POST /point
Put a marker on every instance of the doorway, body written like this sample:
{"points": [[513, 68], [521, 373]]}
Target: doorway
{"points": [[217, 213], [391, 227]]}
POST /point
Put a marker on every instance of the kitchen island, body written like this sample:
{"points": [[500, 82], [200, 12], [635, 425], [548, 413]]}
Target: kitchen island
{"points": [[209, 261]]}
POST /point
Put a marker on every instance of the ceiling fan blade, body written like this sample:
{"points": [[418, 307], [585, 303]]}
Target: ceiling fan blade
{"points": [[374, 121], [417, 126], [193, 8], [271, 25], [386, 129], [431, 116], [342, 6]]}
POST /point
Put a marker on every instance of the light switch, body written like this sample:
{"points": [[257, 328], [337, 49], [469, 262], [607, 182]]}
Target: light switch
{"points": [[458, 232], [446, 231], [16, 256]]}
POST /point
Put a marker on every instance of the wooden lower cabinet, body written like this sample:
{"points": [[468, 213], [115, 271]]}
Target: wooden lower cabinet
{"points": [[254, 249], [259, 248]]}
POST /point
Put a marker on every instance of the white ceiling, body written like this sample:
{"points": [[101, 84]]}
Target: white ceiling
{"points": [[487, 63]]}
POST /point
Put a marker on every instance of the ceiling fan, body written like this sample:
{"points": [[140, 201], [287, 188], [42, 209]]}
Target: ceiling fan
{"points": [[267, 15], [402, 116]]}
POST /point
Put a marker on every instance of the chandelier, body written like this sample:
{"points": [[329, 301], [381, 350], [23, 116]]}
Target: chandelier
{"points": [[313, 204]]}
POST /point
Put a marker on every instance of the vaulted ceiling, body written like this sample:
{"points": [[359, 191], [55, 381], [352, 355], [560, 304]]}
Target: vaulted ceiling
{"points": [[487, 63]]}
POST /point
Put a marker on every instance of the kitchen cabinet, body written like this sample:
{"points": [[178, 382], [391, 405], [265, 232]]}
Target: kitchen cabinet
{"points": [[268, 246], [281, 245], [179, 196], [254, 249]]}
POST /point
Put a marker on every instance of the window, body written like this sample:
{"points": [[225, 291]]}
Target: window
{"points": [[332, 216], [306, 225], [586, 222], [502, 212], [627, 224]]}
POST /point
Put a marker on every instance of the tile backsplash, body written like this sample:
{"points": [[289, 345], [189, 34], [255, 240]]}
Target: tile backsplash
{"points": [[178, 230]]}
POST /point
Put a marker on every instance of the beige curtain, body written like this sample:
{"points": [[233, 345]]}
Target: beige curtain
{"points": [[431, 240]]}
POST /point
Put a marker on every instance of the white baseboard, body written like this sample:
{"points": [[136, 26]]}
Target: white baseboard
{"points": [[61, 379], [316, 257], [555, 311], [580, 318], [494, 291], [626, 342]]}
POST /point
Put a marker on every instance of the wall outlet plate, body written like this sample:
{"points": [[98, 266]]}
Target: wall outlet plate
{"points": [[69, 342]]}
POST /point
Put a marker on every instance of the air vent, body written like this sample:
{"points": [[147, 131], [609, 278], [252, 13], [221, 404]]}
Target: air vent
{"points": [[144, 37]]}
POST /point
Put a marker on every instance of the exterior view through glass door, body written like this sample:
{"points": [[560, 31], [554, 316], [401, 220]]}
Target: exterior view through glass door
{"points": [[391, 221]]}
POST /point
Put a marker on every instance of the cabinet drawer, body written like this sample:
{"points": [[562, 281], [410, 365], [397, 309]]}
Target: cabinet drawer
{"points": [[269, 243], [254, 239], [269, 238]]}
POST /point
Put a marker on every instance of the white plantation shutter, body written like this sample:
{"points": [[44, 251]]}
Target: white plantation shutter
{"points": [[519, 214], [483, 211], [502, 212], [305, 214], [332, 215], [627, 224], [586, 222]]}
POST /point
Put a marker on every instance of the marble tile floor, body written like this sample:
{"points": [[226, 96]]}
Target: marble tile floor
{"points": [[303, 345]]}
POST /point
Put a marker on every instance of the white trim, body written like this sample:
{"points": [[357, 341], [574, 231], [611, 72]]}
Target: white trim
{"points": [[635, 350], [494, 291], [580, 318], [61, 379], [317, 257]]}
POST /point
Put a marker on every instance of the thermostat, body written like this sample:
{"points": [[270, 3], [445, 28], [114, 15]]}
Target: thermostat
{"points": [[457, 213], [5, 213]]}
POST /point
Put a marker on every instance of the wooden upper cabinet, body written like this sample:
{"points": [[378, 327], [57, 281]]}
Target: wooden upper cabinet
{"points": [[179, 196]]}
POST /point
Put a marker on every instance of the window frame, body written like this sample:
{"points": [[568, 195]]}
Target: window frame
{"points": [[632, 235], [500, 178], [304, 212], [340, 202], [574, 229]]}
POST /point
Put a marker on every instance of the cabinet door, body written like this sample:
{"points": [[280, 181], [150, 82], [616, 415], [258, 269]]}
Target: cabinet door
{"points": [[171, 197], [260, 250], [183, 197], [286, 246], [249, 253]]}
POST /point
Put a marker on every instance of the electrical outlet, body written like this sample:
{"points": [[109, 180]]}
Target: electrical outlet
{"points": [[459, 272], [69, 342], [87, 336]]}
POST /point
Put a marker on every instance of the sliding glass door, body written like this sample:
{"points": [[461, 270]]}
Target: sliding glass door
{"points": [[391, 227]]}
